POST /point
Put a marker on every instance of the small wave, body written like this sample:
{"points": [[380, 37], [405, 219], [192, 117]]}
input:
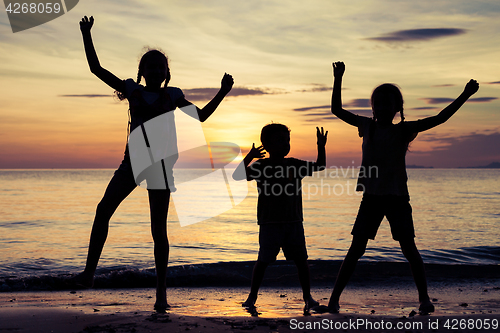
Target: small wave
{"points": [[482, 255], [230, 274], [202, 247], [480, 193], [23, 224], [464, 255]]}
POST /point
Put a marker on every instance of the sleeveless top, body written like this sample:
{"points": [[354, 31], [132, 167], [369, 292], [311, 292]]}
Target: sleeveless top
{"points": [[144, 105], [152, 139]]}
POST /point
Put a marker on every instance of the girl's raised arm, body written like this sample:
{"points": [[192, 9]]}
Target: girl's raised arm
{"points": [[427, 123], [95, 67], [203, 114], [348, 117]]}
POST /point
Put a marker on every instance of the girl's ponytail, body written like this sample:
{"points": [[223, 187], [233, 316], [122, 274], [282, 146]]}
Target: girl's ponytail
{"points": [[120, 95], [139, 77]]}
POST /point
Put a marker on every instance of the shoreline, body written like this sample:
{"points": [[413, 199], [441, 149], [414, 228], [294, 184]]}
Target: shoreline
{"points": [[279, 309]]}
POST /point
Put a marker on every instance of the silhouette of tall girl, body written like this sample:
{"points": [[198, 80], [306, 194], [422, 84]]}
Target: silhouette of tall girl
{"points": [[146, 102], [383, 177]]}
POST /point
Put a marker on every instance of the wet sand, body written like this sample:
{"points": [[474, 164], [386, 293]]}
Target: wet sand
{"points": [[366, 307]]}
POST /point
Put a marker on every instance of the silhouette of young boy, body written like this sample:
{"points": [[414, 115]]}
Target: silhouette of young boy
{"points": [[279, 206]]}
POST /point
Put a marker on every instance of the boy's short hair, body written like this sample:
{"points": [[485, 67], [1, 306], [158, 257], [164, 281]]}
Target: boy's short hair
{"points": [[271, 129]]}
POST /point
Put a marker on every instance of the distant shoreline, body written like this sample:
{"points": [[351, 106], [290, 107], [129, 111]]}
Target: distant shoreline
{"points": [[494, 165], [413, 166]]}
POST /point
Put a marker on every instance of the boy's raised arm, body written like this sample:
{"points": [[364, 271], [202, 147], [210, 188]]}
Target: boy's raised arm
{"points": [[95, 67], [348, 117], [241, 171], [321, 160], [427, 123]]}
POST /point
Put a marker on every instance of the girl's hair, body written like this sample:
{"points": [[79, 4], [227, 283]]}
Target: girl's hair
{"points": [[144, 59], [390, 90]]}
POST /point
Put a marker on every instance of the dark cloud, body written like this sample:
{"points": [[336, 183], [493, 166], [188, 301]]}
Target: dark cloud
{"points": [[320, 119], [200, 94], [321, 89], [417, 116], [441, 100], [354, 103], [475, 149], [205, 94], [443, 85], [313, 108], [322, 112], [481, 99], [424, 108], [358, 103], [316, 88], [362, 112], [87, 95], [434, 137], [437, 100], [494, 82], [417, 35]]}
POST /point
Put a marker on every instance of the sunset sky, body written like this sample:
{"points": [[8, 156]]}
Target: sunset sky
{"points": [[54, 113]]}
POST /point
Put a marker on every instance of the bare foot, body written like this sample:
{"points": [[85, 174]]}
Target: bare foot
{"points": [[82, 280], [426, 307], [333, 306], [161, 304], [310, 304], [250, 302], [161, 307]]}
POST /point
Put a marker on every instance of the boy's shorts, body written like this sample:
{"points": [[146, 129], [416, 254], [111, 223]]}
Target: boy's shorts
{"points": [[372, 210], [289, 236]]}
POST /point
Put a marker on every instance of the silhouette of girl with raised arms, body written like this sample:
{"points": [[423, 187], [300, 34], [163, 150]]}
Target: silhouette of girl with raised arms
{"points": [[383, 177], [146, 102]]}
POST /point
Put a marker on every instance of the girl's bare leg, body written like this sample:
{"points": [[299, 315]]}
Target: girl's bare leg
{"points": [[257, 276], [411, 253], [119, 187], [158, 204], [356, 251]]}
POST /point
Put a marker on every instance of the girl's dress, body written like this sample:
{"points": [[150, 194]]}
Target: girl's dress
{"points": [[159, 135]]}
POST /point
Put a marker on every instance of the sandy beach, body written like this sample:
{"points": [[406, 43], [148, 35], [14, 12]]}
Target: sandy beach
{"points": [[366, 307]]}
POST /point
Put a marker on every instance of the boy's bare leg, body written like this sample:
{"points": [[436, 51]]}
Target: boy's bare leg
{"points": [[257, 276], [305, 283], [356, 251], [411, 253], [119, 187], [158, 205]]}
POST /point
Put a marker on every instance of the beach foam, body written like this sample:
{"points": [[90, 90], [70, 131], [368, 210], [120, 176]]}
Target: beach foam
{"points": [[233, 274]]}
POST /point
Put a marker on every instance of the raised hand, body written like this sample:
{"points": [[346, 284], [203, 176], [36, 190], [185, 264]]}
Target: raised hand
{"points": [[227, 83], [322, 136], [86, 24], [256, 152], [338, 69], [471, 87]]}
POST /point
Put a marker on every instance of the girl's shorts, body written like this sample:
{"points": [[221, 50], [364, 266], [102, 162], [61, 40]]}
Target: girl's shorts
{"points": [[372, 210]]}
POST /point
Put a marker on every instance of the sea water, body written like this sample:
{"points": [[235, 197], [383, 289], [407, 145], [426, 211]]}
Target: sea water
{"points": [[46, 217]]}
